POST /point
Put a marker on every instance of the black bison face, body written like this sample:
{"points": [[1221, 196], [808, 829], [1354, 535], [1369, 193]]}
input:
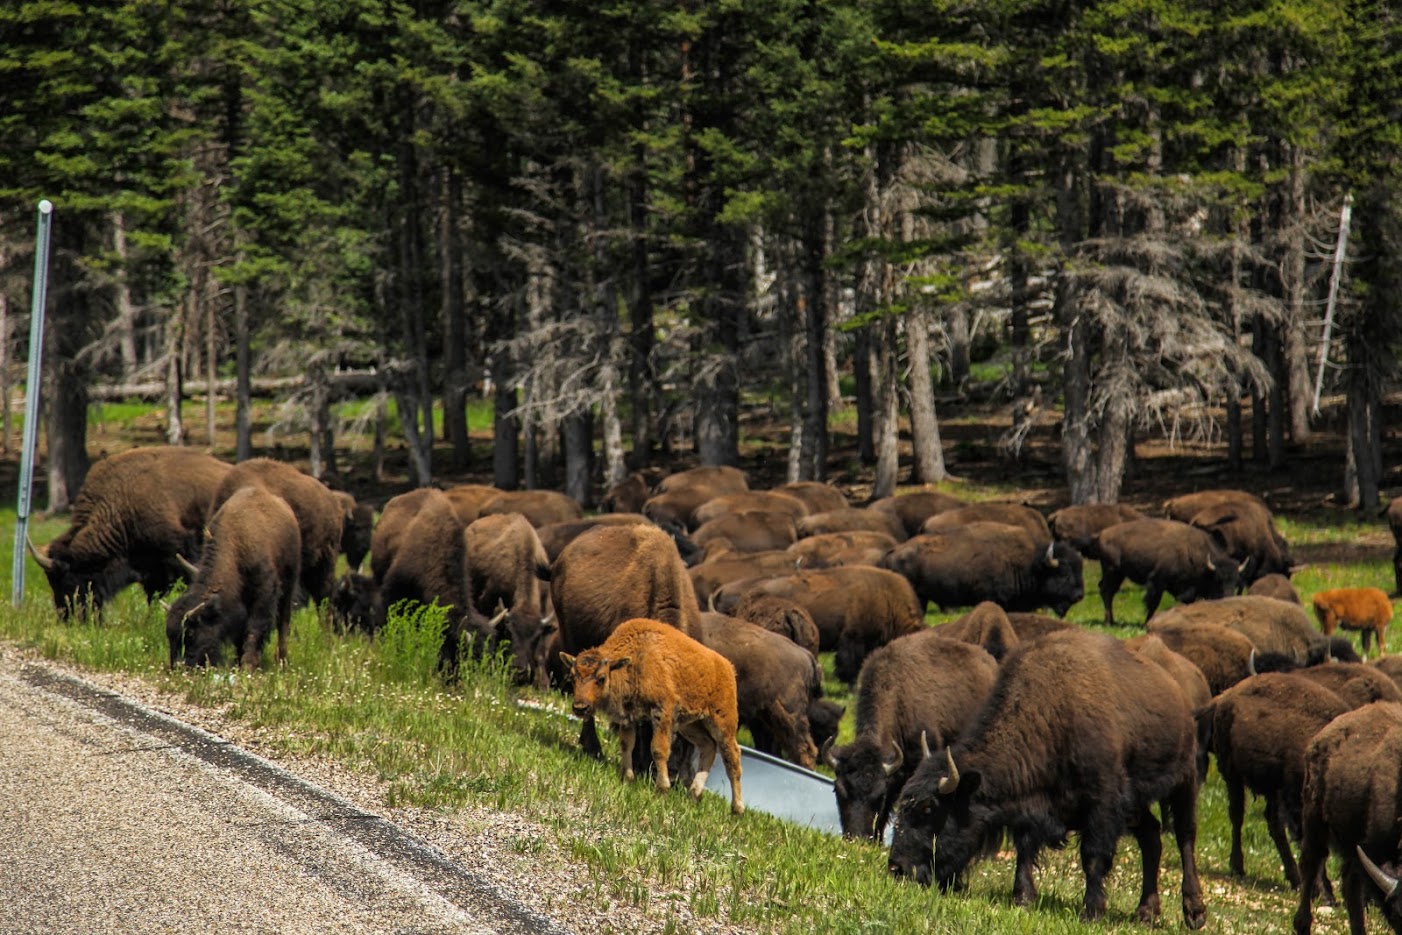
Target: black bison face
{"points": [[1386, 878], [691, 553], [80, 588], [529, 634], [1060, 570], [198, 626], [353, 603], [940, 827], [864, 781], [355, 534]]}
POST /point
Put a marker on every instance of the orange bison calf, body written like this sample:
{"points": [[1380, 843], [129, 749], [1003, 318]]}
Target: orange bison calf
{"points": [[1365, 609], [649, 670]]}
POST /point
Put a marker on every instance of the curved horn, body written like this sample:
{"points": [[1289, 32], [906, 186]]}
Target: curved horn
{"points": [[825, 755], [1241, 569], [500, 615], [190, 569], [41, 557], [924, 746], [900, 759], [1211, 565], [1051, 556], [1251, 662], [711, 602], [1387, 883], [948, 784]]}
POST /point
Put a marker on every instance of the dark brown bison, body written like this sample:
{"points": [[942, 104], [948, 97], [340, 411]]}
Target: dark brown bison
{"points": [[1184, 508], [1391, 666], [612, 574], [357, 524], [912, 509], [398, 512], [1275, 628], [850, 520], [915, 692], [245, 586], [1078, 734], [1184, 671], [1275, 585], [832, 548], [716, 480], [1352, 803], [430, 565], [1258, 730], [626, 496], [1355, 682], [755, 531], [1080, 524], [856, 608], [508, 568], [986, 626], [1029, 626], [782, 616], [979, 562], [1224, 656], [555, 536], [320, 518], [776, 683], [1009, 514], [352, 604], [1247, 531], [751, 501], [468, 499], [819, 497], [1165, 556], [539, 507], [137, 515], [709, 576]]}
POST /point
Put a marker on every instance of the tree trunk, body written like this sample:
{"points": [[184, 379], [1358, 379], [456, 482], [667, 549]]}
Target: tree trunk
{"points": [[67, 377], [615, 462], [5, 388], [455, 378], [929, 465], [243, 406], [578, 445], [420, 465], [175, 362], [208, 292], [506, 433], [886, 410], [815, 291], [1294, 372], [126, 309], [957, 328]]}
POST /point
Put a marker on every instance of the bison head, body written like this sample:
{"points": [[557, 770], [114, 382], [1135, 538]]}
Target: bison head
{"points": [[866, 780], [1060, 571], [353, 603], [199, 624], [80, 586], [591, 672], [1386, 879], [939, 802]]}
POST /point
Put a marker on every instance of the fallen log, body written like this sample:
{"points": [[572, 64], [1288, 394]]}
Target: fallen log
{"points": [[343, 382]]}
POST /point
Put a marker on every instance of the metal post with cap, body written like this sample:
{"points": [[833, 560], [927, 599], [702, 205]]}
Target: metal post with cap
{"points": [[31, 395]]}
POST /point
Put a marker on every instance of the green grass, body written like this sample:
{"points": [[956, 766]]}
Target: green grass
{"points": [[377, 707]]}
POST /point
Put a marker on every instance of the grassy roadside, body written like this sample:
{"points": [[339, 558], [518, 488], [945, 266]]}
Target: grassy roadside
{"points": [[376, 708]]}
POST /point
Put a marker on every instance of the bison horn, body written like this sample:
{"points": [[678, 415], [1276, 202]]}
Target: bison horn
{"points": [[949, 783], [40, 556], [896, 764], [500, 615], [190, 569], [1241, 569], [1387, 883], [1211, 565], [826, 755], [1051, 556], [924, 746], [1251, 663], [711, 602]]}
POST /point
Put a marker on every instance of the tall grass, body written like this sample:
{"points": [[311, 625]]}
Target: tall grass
{"points": [[381, 708]]}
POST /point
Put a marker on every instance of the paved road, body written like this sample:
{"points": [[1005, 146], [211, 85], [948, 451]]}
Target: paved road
{"points": [[115, 818]]}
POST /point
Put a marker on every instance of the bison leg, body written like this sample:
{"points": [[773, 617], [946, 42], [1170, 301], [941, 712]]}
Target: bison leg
{"points": [[1097, 857], [730, 756], [1314, 848], [1024, 881], [1282, 843], [1110, 581], [1351, 881], [1236, 814], [589, 738], [1153, 596], [662, 725], [627, 737], [1146, 832], [1184, 806], [705, 755]]}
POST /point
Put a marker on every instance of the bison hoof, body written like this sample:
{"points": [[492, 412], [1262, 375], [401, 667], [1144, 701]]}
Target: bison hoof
{"points": [[1195, 916], [737, 808], [628, 775], [1149, 909]]}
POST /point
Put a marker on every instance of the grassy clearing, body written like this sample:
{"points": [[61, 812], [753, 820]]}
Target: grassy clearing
{"points": [[378, 708]]}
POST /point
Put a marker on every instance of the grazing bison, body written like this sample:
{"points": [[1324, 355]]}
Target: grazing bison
{"points": [[1355, 683], [850, 520], [990, 562], [1185, 507], [754, 531], [1247, 531], [649, 671], [626, 496], [751, 501], [1184, 671], [986, 626], [914, 691], [612, 574], [507, 567], [1364, 609], [1030, 626], [818, 496], [855, 608], [839, 548], [1391, 666], [715, 479], [912, 509], [711, 575], [320, 517], [137, 515], [1258, 730], [1009, 514], [468, 499], [555, 536], [389, 530], [1080, 524], [352, 604], [1275, 628], [776, 684], [357, 524], [1224, 656], [1165, 556], [539, 507], [782, 616], [246, 582], [1077, 735], [1274, 585], [1352, 802]]}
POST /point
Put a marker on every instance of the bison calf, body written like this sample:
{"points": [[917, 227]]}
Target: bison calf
{"points": [[1364, 609], [649, 671]]}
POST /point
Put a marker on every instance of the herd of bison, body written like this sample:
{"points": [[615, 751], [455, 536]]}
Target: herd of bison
{"points": [[693, 606]]}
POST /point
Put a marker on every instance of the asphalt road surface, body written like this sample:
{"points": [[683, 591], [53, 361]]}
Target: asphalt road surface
{"points": [[116, 818]]}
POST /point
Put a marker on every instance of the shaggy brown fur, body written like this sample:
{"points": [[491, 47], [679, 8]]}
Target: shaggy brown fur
{"points": [[751, 501], [555, 536], [648, 671], [753, 531], [1009, 514], [782, 616], [819, 497], [913, 509], [1223, 655], [1272, 626], [986, 626], [507, 567], [852, 519], [539, 507], [821, 550], [1080, 524], [468, 499]]}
